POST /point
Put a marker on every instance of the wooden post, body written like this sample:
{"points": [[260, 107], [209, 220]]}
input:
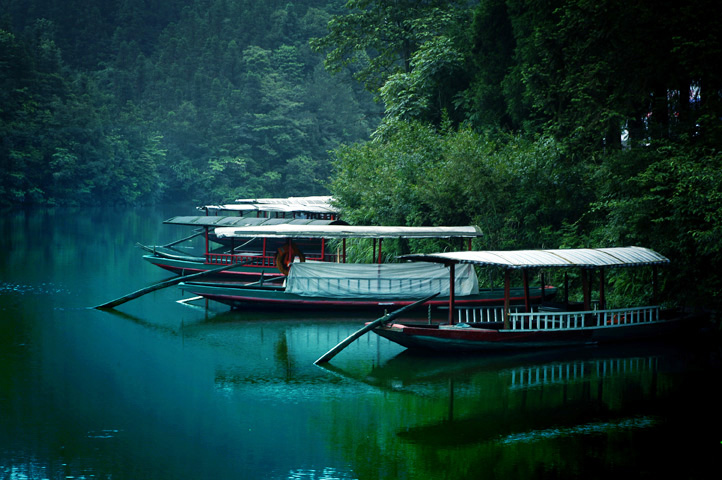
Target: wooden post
{"points": [[323, 249], [380, 242], [344, 250], [507, 294], [602, 296], [525, 279], [207, 241], [452, 284], [368, 327], [167, 283]]}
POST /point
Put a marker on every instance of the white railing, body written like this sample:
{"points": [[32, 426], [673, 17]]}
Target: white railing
{"points": [[556, 320], [580, 320], [485, 314]]}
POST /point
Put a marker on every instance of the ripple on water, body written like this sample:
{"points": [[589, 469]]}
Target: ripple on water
{"points": [[44, 288]]}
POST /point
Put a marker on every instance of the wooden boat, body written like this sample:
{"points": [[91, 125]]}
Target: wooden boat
{"points": [[258, 254], [337, 285], [315, 207], [558, 325]]}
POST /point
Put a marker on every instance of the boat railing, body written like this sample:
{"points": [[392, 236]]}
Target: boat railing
{"points": [[232, 259], [259, 260], [557, 320], [484, 314]]}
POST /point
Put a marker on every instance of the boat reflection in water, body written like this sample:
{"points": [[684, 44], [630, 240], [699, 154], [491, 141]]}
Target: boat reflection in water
{"points": [[588, 411], [160, 390], [582, 412]]}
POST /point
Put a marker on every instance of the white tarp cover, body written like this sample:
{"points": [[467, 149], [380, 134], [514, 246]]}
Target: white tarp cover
{"points": [[389, 280]]}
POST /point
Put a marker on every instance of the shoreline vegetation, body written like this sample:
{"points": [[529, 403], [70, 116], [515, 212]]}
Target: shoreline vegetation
{"points": [[548, 124]]}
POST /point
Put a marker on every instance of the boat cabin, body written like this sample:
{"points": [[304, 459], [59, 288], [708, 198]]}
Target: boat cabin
{"points": [[587, 261]]}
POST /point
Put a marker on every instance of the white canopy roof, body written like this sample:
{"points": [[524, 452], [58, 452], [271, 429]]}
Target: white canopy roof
{"points": [[583, 257], [346, 231], [318, 204], [225, 221]]}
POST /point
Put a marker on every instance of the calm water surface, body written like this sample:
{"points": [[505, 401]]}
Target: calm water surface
{"points": [[162, 390]]}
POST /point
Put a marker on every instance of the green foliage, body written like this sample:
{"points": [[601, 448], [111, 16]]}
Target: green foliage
{"points": [[520, 192], [138, 102], [669, 198], [548, 123], [61, 143], [547, 89], [420, 94], [376, 39]]}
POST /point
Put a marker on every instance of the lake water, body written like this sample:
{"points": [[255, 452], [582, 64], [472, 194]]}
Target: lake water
{"points": [[163, 390]]}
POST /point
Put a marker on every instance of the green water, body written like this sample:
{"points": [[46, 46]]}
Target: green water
{"points": [[162, 390]]}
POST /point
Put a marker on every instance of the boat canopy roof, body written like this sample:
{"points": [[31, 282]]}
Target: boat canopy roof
{"points": [[318, 204], [561, 258], [291, 230], [224, 221]]}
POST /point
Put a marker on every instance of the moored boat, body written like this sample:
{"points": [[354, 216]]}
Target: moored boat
{"points": [[544, 326], [355, 285], [258, 255], [315, 207]]}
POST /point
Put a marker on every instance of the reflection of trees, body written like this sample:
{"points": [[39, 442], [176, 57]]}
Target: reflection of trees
{"points": [[520, 418]]}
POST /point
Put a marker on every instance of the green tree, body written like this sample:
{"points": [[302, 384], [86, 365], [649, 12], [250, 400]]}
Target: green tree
{"points": [[377, 38]]}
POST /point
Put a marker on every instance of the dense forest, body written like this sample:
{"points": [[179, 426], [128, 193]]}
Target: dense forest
{"points": [[140, 101], [549, 123]]}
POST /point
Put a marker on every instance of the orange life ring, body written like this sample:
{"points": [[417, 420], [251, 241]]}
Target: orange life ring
{"points": [[284, 261]]}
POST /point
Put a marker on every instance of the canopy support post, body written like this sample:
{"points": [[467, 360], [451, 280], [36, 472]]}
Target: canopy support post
{"points": [[602, 296], [525, 278], [452, 281], [207, 245], [507, 294]]}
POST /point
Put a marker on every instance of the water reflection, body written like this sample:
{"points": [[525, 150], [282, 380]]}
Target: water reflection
{"points": [[162, 390]]}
